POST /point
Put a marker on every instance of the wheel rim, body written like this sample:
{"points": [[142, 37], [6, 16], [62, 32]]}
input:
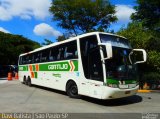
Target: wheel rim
{"points": [[74, 90]]}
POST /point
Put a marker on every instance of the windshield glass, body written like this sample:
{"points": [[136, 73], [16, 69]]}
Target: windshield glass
{"points": [[115, 41], [119, 67], [119, 70]]}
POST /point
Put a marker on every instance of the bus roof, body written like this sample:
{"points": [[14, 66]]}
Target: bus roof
{"points": [[70, 39]]}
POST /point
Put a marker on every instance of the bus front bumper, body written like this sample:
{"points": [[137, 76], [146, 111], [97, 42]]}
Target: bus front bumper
{"points": [[114, 93]]}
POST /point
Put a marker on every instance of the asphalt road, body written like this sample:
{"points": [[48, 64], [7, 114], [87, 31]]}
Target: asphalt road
{"points": [[17, 97]]}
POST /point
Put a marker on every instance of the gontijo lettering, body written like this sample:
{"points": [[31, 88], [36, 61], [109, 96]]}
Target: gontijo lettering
{"points": [[57, 66]]}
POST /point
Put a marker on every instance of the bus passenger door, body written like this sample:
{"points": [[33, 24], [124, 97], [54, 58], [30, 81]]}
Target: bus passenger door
{"points": [[92, 65], [95, 73]]}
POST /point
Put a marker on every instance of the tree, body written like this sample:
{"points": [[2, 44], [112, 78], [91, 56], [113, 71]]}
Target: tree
{"points": [[148, 12], [81, 16], [146, 39], [11, 46], [61, 38], [47, 42]]}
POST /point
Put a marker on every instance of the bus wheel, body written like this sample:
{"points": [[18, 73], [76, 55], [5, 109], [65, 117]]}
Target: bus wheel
{"points": [[24, 80], [29, 81], [72, 90]]}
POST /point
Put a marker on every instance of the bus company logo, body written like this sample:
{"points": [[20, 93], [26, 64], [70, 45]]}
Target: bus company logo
{"points": [[57, 66]]}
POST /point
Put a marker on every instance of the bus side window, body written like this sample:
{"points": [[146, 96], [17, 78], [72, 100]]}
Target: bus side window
{"points": [[60, 55], [20, 60], [27, 59], [53, 54], [23, 59], [30, 59], [37, 57], [68, 54], [44, 55], [71, 50]]}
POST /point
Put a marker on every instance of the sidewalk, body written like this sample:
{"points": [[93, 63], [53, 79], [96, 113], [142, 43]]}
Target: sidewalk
{"points": [[3, 81]]}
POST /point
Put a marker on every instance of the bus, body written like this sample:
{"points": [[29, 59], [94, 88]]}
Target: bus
{"points": [[97, 64]]}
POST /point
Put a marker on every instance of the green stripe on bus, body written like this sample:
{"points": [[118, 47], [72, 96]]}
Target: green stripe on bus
{"points": [[23, 68], [75, 65], [59, 66], [54, 66], [34, 67], [35, 75]]}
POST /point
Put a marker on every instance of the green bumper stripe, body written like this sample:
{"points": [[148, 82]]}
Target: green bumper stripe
{"points": [[116, 81]]}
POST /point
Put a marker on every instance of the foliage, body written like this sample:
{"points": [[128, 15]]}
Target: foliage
{"points": [[61, 38], [144, 33], [153, 79], [148, 12], [47, 42], [81, 16], [11, 46], [154, 60], [144, 39]]}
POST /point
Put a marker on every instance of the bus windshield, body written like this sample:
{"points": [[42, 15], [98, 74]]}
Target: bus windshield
{"points": [[115, 41], [119, 68]]}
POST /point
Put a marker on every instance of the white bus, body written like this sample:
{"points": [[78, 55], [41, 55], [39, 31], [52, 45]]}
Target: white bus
{"points": [[99, 65]]}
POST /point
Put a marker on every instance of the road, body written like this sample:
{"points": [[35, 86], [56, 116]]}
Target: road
{"points": [[17, 97]]}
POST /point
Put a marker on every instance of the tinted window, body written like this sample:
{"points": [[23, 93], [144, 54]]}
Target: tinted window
{"points": [[91, 59], [115, 41], [70, 51], [61, 52], [44, 55]]}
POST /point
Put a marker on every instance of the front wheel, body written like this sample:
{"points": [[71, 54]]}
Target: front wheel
{"points": [[72, 90]]}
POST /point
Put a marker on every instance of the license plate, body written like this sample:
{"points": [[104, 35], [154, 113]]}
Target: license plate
{"points": [[132, 85], [123, 86]]}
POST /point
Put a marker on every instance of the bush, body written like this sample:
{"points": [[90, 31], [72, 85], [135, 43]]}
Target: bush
{"points": [[152, 79]]}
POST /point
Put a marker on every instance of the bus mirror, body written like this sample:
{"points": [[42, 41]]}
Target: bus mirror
{"points": [[108, 47], [139, 61]]}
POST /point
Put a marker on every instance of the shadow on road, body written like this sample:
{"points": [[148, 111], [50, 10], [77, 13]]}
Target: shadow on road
{"points": [[50, 89], [115, 102], [110, 102]]}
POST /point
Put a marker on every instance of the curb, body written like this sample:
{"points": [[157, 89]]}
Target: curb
{"points": [[148, 91], [144, 91]]}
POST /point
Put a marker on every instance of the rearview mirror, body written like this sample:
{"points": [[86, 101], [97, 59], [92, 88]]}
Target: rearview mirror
{"points": [[138, 50], [108, 47]]}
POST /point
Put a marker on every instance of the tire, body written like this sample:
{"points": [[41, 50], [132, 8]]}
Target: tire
{"points": [[24, 80], [29, 81], [72, 90]]}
